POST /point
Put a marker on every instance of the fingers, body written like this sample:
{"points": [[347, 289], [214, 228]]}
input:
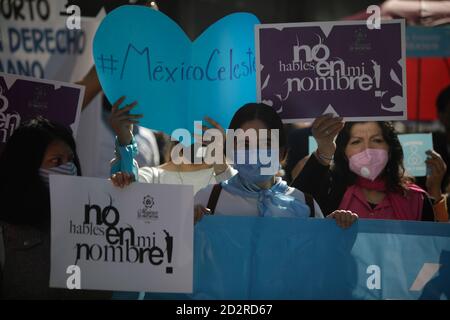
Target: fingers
{"points": [[214, 123], [319, 120], [432, 170], [126, 109], [198, 138], [121, 121], [129, 117], [436, 163], [199, 212], [117, 179], [433, 153], [117, 104], [435, 168], [122, 179], [326, 128], [332, 128], [206, 132], [328, 124], [344, 218]]}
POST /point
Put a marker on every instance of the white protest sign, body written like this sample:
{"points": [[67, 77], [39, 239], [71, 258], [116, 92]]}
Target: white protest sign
{"points": [[35, 40], [135, 239]]}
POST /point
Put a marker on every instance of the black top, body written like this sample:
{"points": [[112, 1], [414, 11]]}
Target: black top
{"points": [[372, 205], [316, 179], [26, 273]]}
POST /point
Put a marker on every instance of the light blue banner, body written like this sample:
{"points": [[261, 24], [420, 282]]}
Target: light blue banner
{"points": [[414, 148], [427, 42], [283, 258], [142, 54]]}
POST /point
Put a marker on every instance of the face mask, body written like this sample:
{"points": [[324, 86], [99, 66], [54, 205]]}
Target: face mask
{"points": [[369, 163], [68, 169], [250, 166]]}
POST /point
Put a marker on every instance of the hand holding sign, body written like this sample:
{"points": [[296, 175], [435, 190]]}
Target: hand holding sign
{"points": [[122, 179], [122, 121], [437, 169], [325, 130], [135, 239]]}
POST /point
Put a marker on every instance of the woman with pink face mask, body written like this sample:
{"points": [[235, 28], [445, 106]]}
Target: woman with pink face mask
{"points": [[362, 171]]}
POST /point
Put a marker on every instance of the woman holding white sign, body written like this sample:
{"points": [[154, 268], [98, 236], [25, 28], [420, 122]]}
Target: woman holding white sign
{"points": [[36, 150], [257, 190], [363, 171]]}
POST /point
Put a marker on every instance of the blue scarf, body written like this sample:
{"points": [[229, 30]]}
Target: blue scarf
{"points": [[272, 202]]}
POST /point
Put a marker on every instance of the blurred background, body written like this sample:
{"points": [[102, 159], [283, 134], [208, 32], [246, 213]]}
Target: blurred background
{"points": [[194, 16]]}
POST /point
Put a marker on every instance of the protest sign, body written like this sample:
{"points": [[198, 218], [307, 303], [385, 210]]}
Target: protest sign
{"points": [[38, 40], [23, 98], [415, 147], [252, 258], [425, 42], [149, 59], [343, 68], [133, 239]]}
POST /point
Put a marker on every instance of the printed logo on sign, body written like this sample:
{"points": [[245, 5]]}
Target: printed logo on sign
{"points": [[414, 159], [361, 42], [40, 99], [147, 214]]}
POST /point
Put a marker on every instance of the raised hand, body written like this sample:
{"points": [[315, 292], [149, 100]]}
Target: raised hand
{"points": [[437, 169], [122, 122], [325, 130]]}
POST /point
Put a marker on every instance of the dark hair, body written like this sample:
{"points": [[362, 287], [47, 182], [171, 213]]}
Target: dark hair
{"points": [[394, 172], [443, 100], [264, 113], [25, 197]]}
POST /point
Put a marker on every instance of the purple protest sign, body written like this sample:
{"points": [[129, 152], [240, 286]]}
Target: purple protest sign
{"points": [[308, 69], [23, 98]]}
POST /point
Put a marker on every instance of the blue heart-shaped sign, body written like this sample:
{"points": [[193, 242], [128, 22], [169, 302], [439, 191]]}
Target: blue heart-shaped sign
{"points": [[142, 54]]}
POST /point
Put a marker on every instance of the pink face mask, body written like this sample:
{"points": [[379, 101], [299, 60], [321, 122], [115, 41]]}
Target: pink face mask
{"points": [[369, 163]]}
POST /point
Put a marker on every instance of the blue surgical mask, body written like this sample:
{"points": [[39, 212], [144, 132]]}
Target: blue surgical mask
{"points": [[249, 164], [68, 169]]}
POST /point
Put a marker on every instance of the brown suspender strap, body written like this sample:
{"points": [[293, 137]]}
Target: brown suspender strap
{"points": [[214, 197], [310, 202]]}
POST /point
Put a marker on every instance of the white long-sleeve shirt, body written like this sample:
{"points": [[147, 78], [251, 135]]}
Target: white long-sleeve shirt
{"points": [[199, 179]]}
